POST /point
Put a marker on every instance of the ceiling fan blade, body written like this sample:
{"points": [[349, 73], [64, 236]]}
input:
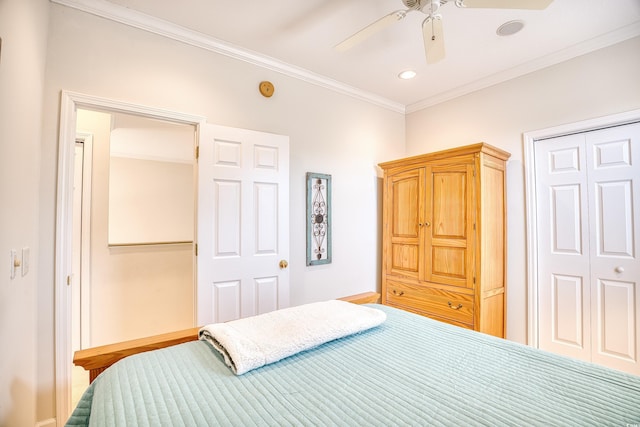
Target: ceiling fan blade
{"points": [[433, 39], [505, 4], [370, 30]]}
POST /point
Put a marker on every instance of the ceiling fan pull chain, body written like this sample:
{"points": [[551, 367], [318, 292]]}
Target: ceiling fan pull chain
{"points": [[433, 31]]}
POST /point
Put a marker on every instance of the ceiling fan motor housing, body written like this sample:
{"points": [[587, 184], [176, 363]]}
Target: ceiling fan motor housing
{"points": [[412, 4], [432, 5]]}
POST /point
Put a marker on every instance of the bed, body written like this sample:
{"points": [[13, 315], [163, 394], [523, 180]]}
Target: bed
{"points": [[409, 370]]}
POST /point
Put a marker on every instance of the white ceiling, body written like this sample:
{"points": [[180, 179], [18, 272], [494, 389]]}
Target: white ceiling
{"points": [[300, 35]]}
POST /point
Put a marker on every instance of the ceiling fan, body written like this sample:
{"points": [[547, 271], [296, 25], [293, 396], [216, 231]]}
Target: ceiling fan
{"points": [[432, 25]]}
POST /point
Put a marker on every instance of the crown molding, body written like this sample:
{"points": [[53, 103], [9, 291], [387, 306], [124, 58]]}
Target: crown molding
{"points": [[574, 51], [132, 18], [123, 15]]}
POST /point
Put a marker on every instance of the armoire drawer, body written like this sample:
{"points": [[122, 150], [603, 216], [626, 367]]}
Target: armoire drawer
{"points": [[439, 302]]}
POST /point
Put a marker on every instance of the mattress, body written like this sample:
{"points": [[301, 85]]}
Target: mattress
{"points": [[409, 371]]}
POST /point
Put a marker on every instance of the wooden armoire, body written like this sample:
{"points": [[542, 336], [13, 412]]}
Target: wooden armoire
{"points": [[444, 237]]}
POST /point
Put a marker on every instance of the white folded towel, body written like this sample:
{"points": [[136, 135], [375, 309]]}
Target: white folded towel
{"points": [[256, 341]]}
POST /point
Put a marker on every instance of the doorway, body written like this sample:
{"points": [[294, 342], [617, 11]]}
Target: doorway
{"points": [[134, 199], [81, 235], [582, 204], [141, 280], [72, 107], [242, 215]]}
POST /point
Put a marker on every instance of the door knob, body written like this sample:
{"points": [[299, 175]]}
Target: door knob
{"points": [[283, 264], [619, 269]]}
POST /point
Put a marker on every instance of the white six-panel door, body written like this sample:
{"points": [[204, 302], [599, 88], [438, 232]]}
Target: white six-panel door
{"points": [[614, 221], [563, 259], [588, 210], [243, 223]]}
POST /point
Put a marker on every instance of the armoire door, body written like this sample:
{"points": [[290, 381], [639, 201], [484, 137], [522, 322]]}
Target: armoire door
{"points": [[588, 213], [449, 225], [405, 207], [243, 223]]}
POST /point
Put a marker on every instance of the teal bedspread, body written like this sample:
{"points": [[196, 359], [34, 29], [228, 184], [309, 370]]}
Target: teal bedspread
{"points": [[410, 371]]}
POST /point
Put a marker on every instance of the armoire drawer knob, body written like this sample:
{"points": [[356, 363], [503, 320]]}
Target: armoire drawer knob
{"points": [[457, 307], [398, 293]]}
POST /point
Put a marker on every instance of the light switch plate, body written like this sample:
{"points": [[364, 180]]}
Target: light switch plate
{"points": [[12, 263], [26, 253]]}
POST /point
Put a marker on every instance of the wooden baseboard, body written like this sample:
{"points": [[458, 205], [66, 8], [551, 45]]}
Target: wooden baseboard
{"points": [[51, 422]]}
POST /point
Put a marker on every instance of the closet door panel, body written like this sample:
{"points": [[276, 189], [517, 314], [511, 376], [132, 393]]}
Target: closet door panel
{"points": [[567, 310], [563, 252], [614, 216], [615, 322]]}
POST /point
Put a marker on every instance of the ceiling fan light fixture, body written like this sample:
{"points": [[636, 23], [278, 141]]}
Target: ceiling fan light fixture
{"points": [[510, 28], [407, 75], [432, 28]]}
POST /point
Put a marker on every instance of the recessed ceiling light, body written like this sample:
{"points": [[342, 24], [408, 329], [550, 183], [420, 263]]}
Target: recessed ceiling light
{"points": [[510, 28], [406, 75]]}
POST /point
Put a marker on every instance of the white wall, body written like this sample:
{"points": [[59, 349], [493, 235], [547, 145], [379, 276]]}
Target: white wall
{"points": [[329, 133], [594, 85], [150, 201], [23, 29], [151, 181]]}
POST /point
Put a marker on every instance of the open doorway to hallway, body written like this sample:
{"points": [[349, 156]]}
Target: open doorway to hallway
{"points": [[133, 230]]}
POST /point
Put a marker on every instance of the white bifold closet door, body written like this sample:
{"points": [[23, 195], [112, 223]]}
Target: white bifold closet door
{"points": [[588, 215]]}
